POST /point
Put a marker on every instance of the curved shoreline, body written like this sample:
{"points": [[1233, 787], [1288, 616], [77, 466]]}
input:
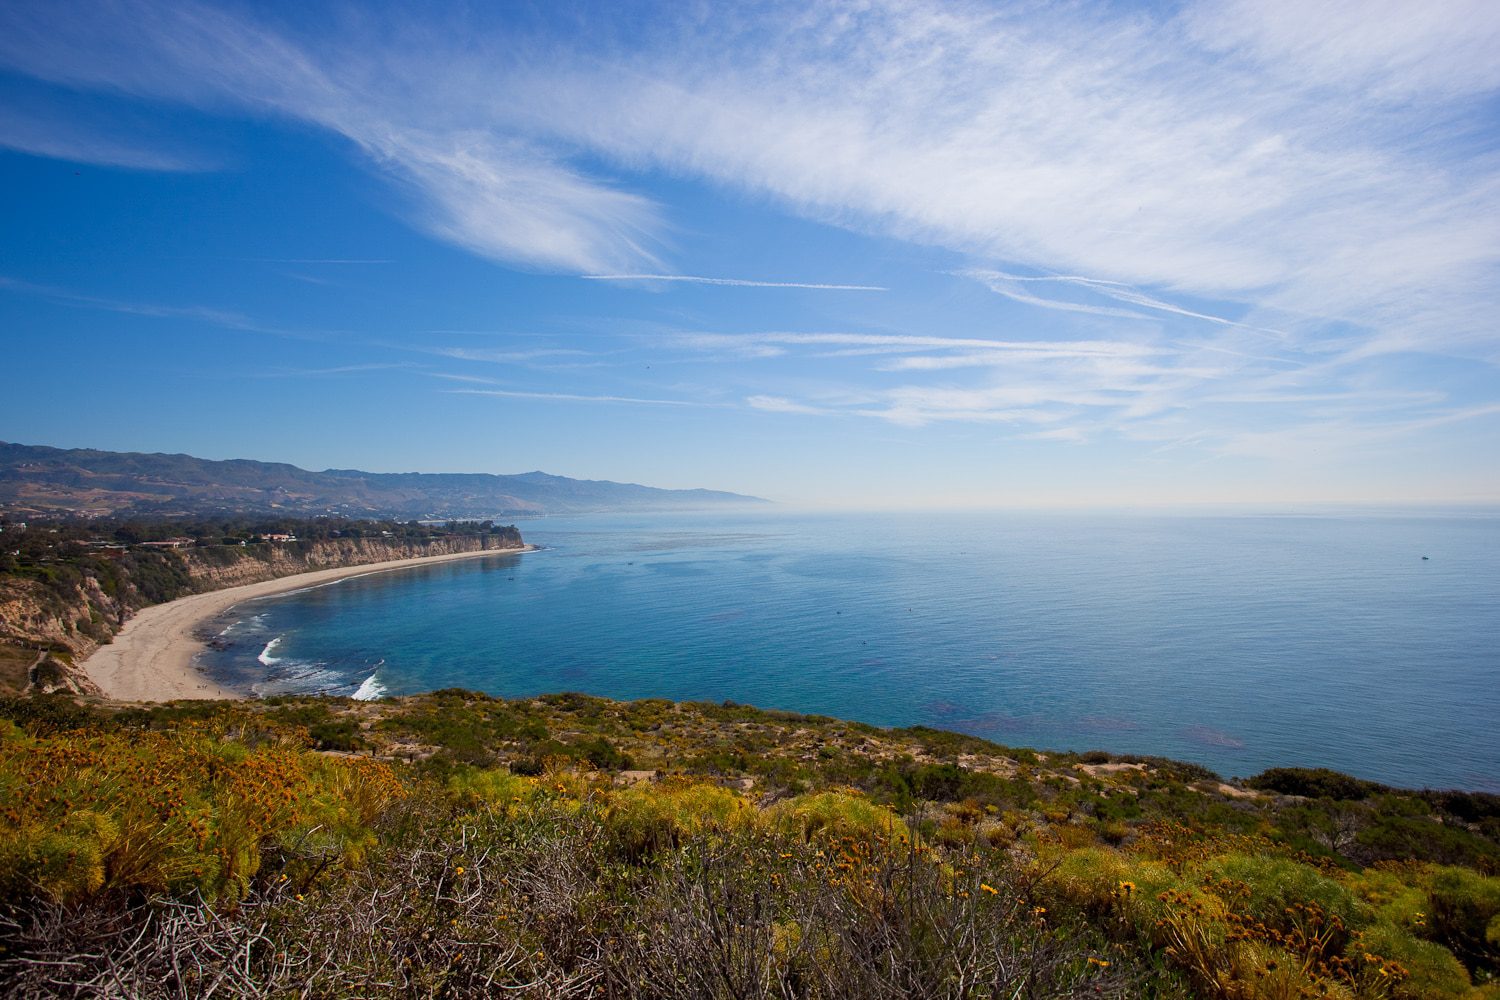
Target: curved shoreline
{"points": [[151, 658]]}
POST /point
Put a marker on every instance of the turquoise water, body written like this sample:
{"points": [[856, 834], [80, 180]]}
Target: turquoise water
{"points": [[1240, 642]]}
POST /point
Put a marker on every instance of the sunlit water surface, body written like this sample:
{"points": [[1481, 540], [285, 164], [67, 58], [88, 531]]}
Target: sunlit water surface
{"points": [[1240, 642]]}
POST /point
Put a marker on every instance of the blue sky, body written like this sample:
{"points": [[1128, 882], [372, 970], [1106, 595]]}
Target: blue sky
{"points": [[885, 254]]}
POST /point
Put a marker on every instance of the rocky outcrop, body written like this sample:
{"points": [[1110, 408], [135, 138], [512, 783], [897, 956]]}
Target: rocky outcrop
{"points": [[73, 623]]}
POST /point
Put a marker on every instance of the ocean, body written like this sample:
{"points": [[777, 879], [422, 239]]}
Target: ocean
{"points": [[1239, 641]]}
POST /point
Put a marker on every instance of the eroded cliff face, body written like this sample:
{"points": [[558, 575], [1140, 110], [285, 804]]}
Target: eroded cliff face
{"points": [[55, 631], [49, 633], [220, 567]]}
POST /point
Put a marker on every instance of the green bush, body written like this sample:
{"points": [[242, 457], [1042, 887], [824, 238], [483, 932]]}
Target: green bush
{"points": [[603, 755], [1464, 907], [1433, 970], [1277, 885], [1314, 783], [827, 816], [647, 819]]}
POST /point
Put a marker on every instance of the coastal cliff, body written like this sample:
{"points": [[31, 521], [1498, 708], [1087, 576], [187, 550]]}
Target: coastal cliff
{"points": [[51, 622], [218, 568]]}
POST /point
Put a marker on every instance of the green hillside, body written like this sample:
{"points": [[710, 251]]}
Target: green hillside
{"points": [[458, 845]]}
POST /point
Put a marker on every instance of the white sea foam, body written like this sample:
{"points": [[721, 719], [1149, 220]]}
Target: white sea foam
{"points": [[297, 677], [371, 689], [265, 656]]}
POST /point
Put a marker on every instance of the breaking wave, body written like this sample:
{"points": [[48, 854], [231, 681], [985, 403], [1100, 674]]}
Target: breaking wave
{"points": [[371, 689]]}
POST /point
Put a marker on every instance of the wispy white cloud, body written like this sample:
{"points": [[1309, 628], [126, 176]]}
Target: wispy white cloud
{"points": [[507, 357], [456, 377], [1115, 365], [1114, 146], [778, 404], [328, 372], [1003, 284], [1386, 48], [214, 317], [1019, 383], [917, 406], [512, 201], [1192, 150], [1071, 435], [1062, 305], [884, 343], [1310, 441], [58, 138], [1177, 393], [735, 282], [490, 190], [568, 397], [1254, 205]]}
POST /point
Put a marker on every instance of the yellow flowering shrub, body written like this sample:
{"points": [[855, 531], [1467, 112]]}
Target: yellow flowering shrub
{"points": [[648, 818], [169, 812], [831, 815]]}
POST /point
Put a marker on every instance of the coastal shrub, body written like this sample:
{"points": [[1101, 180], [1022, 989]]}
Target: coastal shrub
{"points": [[171, 812], [346, 796], [1106, 883], [718, 760], [62, 861], [647, 819], [1430, 970], [1403, 836], [1314, 783], [325, 730], [1467, 807], [214, 716], [535, 906], [1464, 916], [829, 815], [50, 713], [646, 713], [1275, 887], [1396, 895], [854, 922], [906, 783], [937, 782], [491, 789], [1187, 921], [531, 766], [1244, 926], [230, 803], [585, 707], [602, 754], [464, 727]]}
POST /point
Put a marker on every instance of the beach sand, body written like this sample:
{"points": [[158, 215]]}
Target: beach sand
{"points": [[151, 659]]}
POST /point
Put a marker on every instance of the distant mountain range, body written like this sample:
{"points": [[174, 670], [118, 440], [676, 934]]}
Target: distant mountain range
{"points": [[36, 481]]}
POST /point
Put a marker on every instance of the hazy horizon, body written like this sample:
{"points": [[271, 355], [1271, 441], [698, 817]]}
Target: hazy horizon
{"points": [[879, 256]]}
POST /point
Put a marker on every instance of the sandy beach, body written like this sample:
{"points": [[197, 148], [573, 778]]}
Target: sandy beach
{"points": [[151, 659]]}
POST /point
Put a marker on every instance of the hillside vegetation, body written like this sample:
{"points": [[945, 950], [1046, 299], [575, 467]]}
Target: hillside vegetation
{"points": [[459, 845]]}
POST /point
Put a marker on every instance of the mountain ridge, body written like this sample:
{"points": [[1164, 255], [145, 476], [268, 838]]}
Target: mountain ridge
{"points": [[38, 480]]}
